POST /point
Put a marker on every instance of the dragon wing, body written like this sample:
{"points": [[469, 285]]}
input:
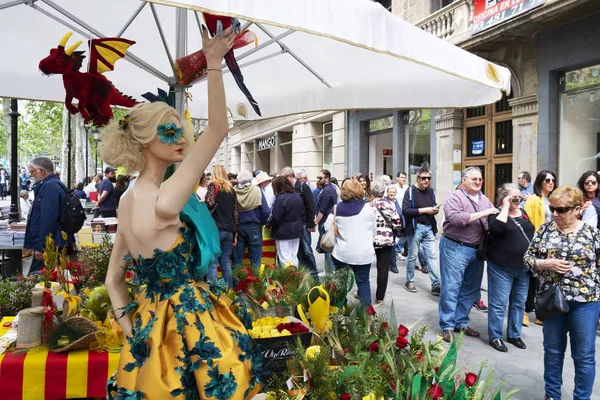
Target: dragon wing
{"points": [[105, 52]]}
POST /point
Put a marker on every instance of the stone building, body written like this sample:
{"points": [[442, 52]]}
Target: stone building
{"points": [[550, 120]]}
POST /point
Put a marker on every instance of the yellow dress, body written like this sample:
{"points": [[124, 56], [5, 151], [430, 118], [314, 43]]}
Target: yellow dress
{"points": [[189, 340]]}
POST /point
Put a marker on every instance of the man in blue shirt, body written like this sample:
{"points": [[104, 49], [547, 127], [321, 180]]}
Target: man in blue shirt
{"points": [[46, 212], [107, 202], [325, 202], [525, 185]]}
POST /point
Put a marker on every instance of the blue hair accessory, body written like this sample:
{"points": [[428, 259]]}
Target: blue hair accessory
{"points": [[169, 133]]}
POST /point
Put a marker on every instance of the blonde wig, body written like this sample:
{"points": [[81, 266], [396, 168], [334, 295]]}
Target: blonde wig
{"points": [[219, 178], [123, 147]]}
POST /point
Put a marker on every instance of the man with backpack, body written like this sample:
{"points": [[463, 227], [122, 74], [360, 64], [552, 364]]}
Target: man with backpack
{"points": [[47, 212]]}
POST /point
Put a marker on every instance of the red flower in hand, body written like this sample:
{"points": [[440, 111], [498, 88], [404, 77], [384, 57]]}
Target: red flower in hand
{"points": [[470, 379], [371, 310], [374, 347], [436, 391], [401, 342], [345, 396], [402, 330]]}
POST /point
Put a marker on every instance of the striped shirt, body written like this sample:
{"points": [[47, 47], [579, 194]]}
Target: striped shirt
{"points": [[458, 209]]}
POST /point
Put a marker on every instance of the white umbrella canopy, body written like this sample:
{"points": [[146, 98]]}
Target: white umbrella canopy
{"points": [[331, 55]]}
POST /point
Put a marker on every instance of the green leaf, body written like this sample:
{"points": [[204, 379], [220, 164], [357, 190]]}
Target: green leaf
{"points": [[415, 391], [461, 393]]}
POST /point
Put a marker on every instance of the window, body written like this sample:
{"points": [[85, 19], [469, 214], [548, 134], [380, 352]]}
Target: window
{"points": [[579, 137], [439, 4], [380, 125], [328, 145], [418, 132]]}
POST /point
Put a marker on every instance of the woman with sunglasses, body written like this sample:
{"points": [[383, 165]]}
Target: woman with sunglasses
{"points": [[588, 184], [566, 253], [508, 279], [537, 209]]}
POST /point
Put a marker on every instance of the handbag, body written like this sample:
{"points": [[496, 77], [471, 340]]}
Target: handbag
{"points": [[328, 239], [551, 302]]}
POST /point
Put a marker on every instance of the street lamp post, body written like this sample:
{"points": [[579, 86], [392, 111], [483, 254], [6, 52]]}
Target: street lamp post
{"points": [[96, 133], [87, 153]]}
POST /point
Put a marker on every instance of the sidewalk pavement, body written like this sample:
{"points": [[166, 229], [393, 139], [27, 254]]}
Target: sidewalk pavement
{"points": [[521, 369]]}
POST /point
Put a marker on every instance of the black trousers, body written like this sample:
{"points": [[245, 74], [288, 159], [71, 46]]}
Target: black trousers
{"points": [[384, 255], [533, 287]]}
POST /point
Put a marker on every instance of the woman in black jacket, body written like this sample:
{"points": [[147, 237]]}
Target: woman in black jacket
{"points": [[508, 278], [286, 220], [222, 202]]}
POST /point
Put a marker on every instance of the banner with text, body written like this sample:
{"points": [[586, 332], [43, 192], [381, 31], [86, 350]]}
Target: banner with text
{"points": [[489, 13]]}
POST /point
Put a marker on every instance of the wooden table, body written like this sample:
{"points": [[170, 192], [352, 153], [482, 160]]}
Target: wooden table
{"points": [[40, 374]]}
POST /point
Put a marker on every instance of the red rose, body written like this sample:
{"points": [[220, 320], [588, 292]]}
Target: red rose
{"points": [[345, 396], [401, 342], [419, 355], [385, 325], [436, 391], [374, 347], [470, 379], [371, 310], [402, 330], [525, 216]]}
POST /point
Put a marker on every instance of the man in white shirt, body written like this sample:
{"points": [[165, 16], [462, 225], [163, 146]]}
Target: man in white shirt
{"points": [[400, 185]]}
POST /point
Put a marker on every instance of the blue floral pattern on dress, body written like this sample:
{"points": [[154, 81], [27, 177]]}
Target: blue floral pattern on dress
{"points": [[222, 386]]}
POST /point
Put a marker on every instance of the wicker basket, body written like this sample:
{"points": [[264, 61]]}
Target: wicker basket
{"points": [[83, 325]]}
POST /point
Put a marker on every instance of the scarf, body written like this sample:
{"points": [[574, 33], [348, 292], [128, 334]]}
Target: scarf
{"points": [[248, 196], [350, 208]]}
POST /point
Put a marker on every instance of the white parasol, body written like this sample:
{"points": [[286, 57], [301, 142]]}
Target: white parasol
{"points": [[311, 55]]}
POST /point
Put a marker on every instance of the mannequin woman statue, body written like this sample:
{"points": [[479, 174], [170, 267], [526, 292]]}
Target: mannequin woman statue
{"points": [[183, 337]]}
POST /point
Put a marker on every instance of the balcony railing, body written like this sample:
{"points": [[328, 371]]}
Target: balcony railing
{"points": [[452, 22]]}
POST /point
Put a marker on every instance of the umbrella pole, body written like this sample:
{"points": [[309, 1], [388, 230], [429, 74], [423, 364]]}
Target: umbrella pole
{"points": [[180, 51], [69, 149]]}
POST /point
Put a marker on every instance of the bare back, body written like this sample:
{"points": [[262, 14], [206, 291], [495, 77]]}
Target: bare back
{"points": [[140, 227]]}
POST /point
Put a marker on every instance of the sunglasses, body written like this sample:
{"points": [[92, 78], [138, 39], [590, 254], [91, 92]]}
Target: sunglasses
{"points": [[548, 180], [516, 199], [560, 210], [591, 182], [425, 178]]}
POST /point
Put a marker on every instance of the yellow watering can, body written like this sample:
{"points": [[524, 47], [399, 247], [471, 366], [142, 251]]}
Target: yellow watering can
{"points": [[318, 310]]}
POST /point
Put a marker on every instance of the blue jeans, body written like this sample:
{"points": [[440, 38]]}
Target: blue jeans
{"points": [[361, 274], [462, 273], [580, 322], [507, 286], [306, 258], [249, 235], [226, 239], [329, 268], [422, 257], [423, 238]]}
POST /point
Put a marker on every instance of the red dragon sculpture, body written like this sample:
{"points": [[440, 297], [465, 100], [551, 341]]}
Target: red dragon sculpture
{"points": [[94, 92]]}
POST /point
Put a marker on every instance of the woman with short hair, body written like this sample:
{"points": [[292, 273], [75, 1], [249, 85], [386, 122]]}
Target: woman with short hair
{"points": [[388, 222], [508, 278], [565, 253], [356, 228]]}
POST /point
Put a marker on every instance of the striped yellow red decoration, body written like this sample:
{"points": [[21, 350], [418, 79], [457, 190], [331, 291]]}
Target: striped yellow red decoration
{"points": [[41, 374]]}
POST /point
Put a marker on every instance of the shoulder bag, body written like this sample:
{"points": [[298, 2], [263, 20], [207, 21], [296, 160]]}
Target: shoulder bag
{"points": [[328, 239], [551, 302]]}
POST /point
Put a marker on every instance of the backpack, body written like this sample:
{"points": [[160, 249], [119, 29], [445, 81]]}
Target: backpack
{"points": [[74, 214]]}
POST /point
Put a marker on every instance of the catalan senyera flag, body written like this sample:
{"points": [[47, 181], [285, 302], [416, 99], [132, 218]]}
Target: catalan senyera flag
{"points": [[41, 374]]}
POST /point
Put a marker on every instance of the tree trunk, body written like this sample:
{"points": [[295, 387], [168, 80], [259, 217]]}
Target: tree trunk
{"points": [[79, 147], [7, 126]]}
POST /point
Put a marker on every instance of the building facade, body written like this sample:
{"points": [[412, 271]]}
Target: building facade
{"points": [[550, 120]]}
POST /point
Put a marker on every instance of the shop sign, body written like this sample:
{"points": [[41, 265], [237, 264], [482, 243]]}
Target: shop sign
{"points": [[266, 143], [388, 152], [477, 147], [489, 13]]}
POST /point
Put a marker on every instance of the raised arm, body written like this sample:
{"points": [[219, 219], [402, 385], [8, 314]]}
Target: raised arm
{"points": [[174, 192]]}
